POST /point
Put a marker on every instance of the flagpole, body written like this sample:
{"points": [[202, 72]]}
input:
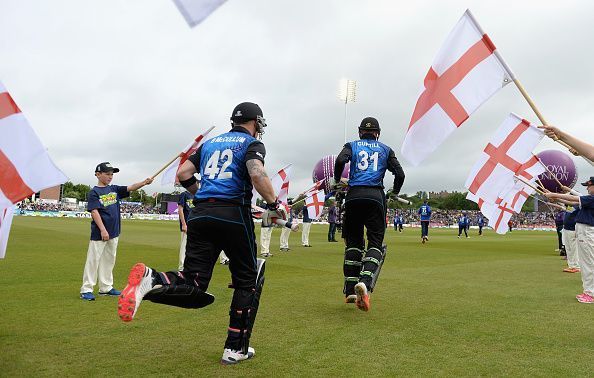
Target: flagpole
{"points": [[519, 85], [529, 184], [551, 173], [197, 140], [165, 166]]}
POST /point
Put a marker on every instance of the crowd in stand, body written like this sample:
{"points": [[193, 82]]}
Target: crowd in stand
{"points": [[450, 217], [125, 208], [41, 206], [138, 209]]}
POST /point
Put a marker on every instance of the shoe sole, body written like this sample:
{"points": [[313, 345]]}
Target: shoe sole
{"points": [[225, 362], [361, 302], [127, 300], [350, 299]]}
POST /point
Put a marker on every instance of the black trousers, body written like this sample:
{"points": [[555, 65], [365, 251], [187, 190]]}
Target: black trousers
{"points": [[216, 226], [365, 208], [424, 228], [462, 228]]}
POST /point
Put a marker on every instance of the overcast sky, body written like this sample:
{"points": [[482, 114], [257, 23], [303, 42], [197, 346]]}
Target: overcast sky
{"points": [[129, 82]]}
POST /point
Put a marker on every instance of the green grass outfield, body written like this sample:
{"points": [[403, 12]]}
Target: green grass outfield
{"points": [[485, 306]]}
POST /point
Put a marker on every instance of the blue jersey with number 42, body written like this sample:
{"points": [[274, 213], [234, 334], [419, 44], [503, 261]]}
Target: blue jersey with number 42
{"points": [[369, 162], [222, 167]]}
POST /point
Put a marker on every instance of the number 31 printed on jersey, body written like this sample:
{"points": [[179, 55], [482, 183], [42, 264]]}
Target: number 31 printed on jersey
{"points": [[364, 162]]}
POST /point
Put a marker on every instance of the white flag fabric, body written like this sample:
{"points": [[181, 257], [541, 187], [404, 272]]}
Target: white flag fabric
{"points": [[169, 176], [25, 166], [316, 186], [465, 73], [280, 183], [5, 223], [195, 11], [517, 194], [509, 153], [315, 204], [498, 214]]}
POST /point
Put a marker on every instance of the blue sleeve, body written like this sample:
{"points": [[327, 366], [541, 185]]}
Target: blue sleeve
{"points": [[587, 202], [182, 199], [122, 191], [93, 201]]}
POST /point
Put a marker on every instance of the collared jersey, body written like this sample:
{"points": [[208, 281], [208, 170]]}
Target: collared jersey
{"points": [[369, 161], [222, 167]]}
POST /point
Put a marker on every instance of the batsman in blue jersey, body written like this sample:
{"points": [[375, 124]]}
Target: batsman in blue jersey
{"points": [[365, 208], [230, 166], [425, 215]]}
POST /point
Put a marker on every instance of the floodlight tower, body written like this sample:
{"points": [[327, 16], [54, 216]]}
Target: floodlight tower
{"points": [[347, 92]]}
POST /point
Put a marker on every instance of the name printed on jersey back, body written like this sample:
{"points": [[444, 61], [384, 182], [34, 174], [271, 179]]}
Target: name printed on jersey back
{"points": [[219, 139], [363, 143]]}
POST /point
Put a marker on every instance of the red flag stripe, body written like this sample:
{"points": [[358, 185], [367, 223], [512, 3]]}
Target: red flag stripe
{"points": [[438, 89], [7, 105], [498, 155], [11, 182]]}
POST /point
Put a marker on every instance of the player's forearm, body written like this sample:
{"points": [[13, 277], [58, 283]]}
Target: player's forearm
{"points": [[583, 148], [566, 197], [182, 217], [98, 221], [139, 185], [260, 180]]}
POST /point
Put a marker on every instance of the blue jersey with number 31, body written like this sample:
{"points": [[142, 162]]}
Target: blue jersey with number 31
{"points": [[222, 167], [369, 162]]}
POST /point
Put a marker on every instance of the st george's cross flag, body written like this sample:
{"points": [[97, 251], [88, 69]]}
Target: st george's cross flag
{"points": [[517, 193], [170, 174], [466, 72], [280, 183], [195, 11], [315, 204], [25, 166], [316, 186], [498, 214], [508, 154]]}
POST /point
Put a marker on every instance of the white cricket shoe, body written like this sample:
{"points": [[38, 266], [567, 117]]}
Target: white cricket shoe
{"points": [[231, 357], [140, 282]]}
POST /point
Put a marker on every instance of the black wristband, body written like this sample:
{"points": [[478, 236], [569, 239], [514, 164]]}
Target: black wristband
{"points": [[272, 206], [189, 182]]}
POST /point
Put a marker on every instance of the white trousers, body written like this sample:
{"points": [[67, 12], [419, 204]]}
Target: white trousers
{"points": [[284, 237], [305, 233], [265, 235], [585, 242], [182, 250], [569, 239], [101, 257]]}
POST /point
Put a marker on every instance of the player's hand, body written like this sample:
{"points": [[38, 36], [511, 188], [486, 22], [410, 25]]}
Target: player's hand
{"points": [[184, 228], [104, 235], [273, 212], [565, 189], [551, 131], [549, 194], [147, 181]]}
